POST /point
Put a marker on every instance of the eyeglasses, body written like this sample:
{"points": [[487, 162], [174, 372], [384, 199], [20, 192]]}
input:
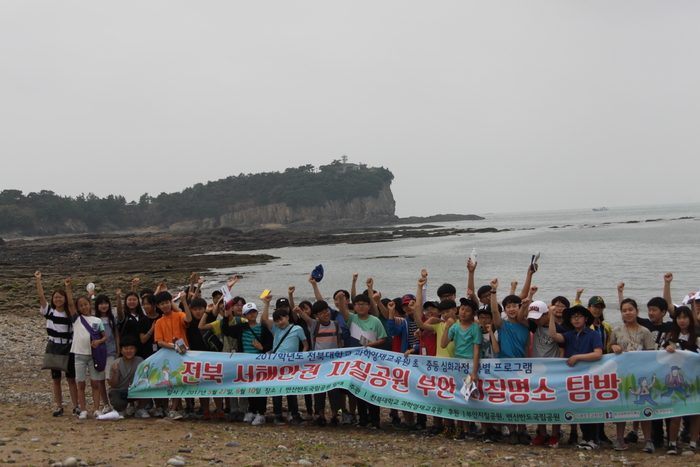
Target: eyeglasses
{"points": [[360, 305]]}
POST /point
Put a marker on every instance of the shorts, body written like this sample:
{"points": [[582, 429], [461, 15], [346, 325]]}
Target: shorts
{"points": [[108, 366], [70, 372], [82, 363]]}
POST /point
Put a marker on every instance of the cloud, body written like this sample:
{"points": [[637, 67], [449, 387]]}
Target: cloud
{"points": [[676, 358], [605, 367]]}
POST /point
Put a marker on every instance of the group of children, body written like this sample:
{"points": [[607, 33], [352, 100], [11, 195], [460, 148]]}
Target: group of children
{"points": [[478, 326]]}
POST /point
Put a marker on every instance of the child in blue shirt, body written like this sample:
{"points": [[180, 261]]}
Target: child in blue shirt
{"points": [[287, 338], [582, 344]]}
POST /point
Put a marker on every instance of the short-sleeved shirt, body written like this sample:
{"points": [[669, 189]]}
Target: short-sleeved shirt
{"points": [[641, 339], [228, 341], [543, 346], [513, 338], [295, 336], [327, 337], [171, 327], [58, 325], [486, 345], [148, 348], [658, 331], [126, 373], [465, 339], [447, 352], [110, 331], [249, 334], [370, 329], [82, 342], [580, 343]]}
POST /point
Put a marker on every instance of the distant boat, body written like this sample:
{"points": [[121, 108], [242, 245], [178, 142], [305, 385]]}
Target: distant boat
{"points": [[602, 208]]}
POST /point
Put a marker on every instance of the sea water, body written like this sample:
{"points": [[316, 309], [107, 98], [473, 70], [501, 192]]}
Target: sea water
{"points": [[579, 249]]}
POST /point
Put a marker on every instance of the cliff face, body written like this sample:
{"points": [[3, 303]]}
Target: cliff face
{"points": [[357, 211]]}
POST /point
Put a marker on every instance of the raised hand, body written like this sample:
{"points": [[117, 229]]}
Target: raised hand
{"points": [[424, 274], [231, 282], [621, 287], [668, 277], [369, 282], [291, 290], [355, 276], [37, 274], [471, 266], [494, 284], [267, 298]]}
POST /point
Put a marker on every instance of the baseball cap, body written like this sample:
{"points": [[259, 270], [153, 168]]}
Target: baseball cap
{"points": [[596, 300], [248, 307], [408, 298], [281, 302], [537, 309]]}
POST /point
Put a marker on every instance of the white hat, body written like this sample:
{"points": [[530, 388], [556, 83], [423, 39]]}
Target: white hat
{"points": [[248, 307], [537, 309]]}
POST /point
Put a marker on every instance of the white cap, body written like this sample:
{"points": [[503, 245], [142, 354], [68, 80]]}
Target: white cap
{"points": [[537, 309], [248, 307]]}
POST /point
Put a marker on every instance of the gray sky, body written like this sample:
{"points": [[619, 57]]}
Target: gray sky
{"points": [[474, 106]]}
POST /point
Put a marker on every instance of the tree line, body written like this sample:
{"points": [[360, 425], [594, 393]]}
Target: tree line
{"points": [[301, 186]]}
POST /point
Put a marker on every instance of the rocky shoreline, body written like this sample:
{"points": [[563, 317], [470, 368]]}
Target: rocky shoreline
{"points": [[167, 257]]}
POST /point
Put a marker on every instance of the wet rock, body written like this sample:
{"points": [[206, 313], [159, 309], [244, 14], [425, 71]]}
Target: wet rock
{"points": [[232, 444], [70, 462], [305, 462]]}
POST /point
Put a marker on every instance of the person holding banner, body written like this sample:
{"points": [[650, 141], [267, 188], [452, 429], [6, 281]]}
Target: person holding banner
{"points": [[581, 344], [629, 337], [368, 331]]}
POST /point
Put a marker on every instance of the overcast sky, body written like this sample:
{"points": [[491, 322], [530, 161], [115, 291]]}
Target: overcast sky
{"points": [[474, 106]]}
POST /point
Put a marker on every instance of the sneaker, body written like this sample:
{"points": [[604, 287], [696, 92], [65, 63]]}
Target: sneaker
{"points": [[83, 415], [632, 437], [174, 415], [76, 411], [649, 447], [142, 413], [279, 420], [58, 412], [159, 412], [512, 439], [684, 437], [249, 417], [435, 430], [619, 445], [321, 421], [206, 415], [573, 436], [603, 439], [348, 419], [131, 410], [334, 422], [258, 420], [220, 415], [96, 414], [672, 449], [297, 420], [553, 442], [106, 409], [197, 414], [524, 438], [447, 432], [539, 440], [688, 448], [486, 438], [459, 435], [401, 426], [588, 445]]}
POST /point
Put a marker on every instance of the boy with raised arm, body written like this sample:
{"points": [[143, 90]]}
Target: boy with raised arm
{"points": [[287, 338], [466, 336], [368, 331], [580, 345], [513, 337]]}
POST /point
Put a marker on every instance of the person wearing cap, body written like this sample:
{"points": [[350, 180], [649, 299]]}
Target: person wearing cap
{"points": [[581, 344], [252, 337]]}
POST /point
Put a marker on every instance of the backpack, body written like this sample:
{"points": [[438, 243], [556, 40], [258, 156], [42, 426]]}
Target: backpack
{"points": [[337, 333]]}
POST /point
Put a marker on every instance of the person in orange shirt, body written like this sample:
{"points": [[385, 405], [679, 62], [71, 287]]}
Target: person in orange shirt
{"points": [[169, 328]]}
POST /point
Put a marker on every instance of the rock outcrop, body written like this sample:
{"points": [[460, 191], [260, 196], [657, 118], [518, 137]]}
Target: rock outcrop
{"points": [[357, 211]]}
